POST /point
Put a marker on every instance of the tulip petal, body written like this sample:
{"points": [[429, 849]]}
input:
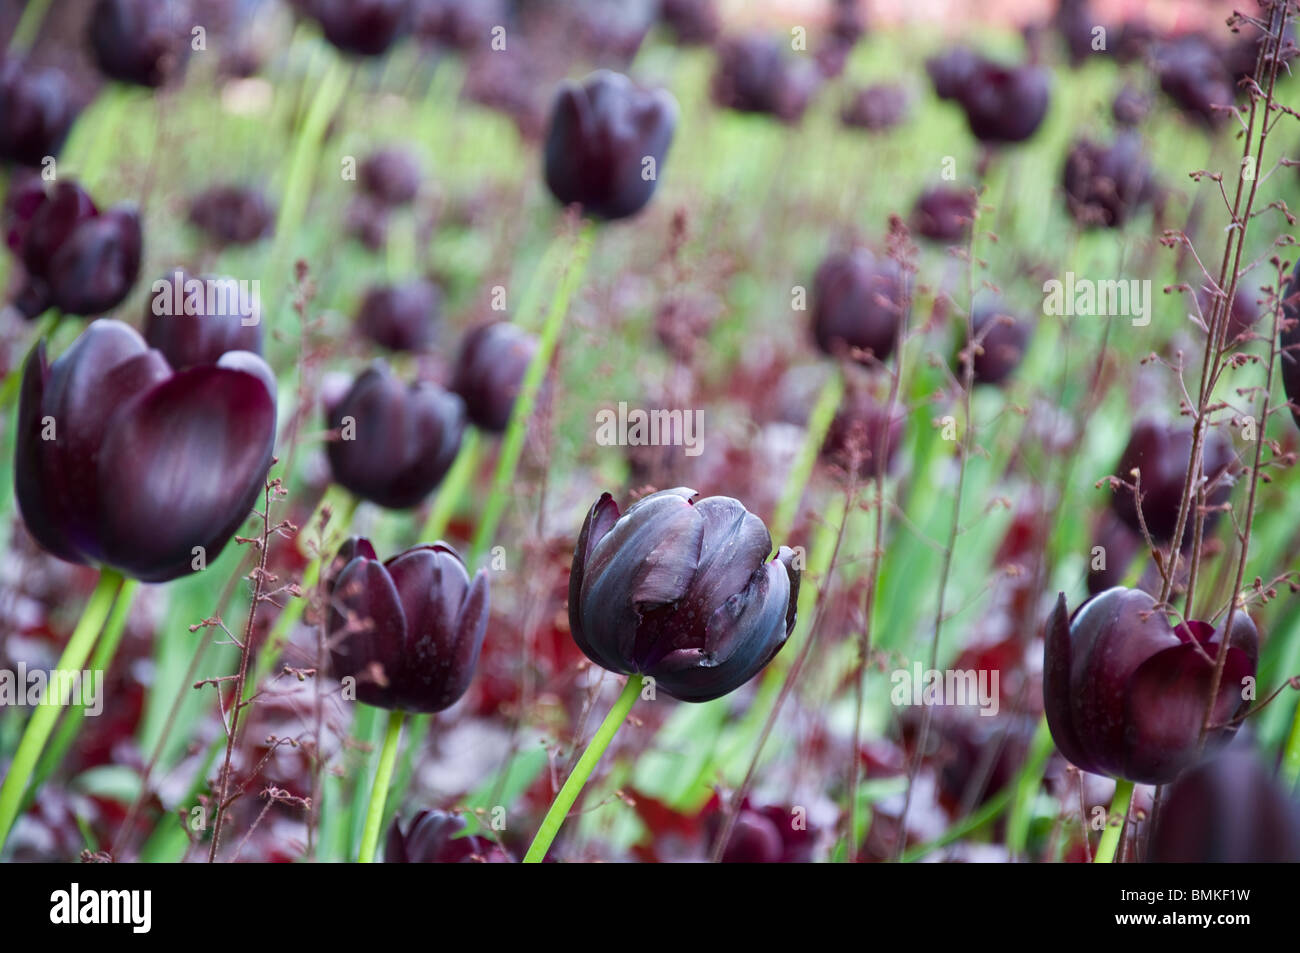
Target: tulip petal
{"points": [[367, 629], [600, 520], [36, 500]]}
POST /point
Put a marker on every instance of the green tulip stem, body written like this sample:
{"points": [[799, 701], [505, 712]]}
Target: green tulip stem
{"points": [[44, 716], [379, 793], [578, 779], [1111, 835], [453, 487], [819, 424], [29, 26], [1291, 754]]}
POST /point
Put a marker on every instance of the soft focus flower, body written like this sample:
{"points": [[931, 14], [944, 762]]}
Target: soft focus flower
{"points": [[434, 837], [490, 371], [36, 112], [857, 302], [196, 320], [401, 317]]}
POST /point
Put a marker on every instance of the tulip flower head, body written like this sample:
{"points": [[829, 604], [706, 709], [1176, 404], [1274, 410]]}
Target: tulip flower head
{"points": [[681, 589], [857, 300], [196, 320], [36, 112], [141, 42], [401, 317], [1125, 692], [490, 372], [408, 630], [361, 27], [435, 837]]}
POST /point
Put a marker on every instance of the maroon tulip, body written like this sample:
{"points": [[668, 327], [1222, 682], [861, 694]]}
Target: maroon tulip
{"points": [[490, 371], [754, 75], [944, 214], [857, 302], [1227, 811], [402, 317], [951, 70], [464, 25], [434, 837], [692, 22], [232, 214], [123, 462], [1002, 338], [1130, 106], [1075, 22], [876, 108], [36, 112], [361, 27], [1004, 103], [196, 320], [141, 41], [395, 442], [1105, 185], [1161, 454], [606, 144], [764, 835], [1289, 340], [1192, 74], [408, 630], [390, 176], [1125, 692], [862, 436]]}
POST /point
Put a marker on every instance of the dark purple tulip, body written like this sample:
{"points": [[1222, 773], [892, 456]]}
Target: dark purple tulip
{"points": [[755, 75], [145, 464], [1003, 338], [1074, 21], [606, 144], [1125, 692], [396, 442], [951, 70], [1289, 339], [1161, 453], [1119, 546], [434, 837], [878, 107], [391, 176], [944, 214], [764, 835], [1004, 103], [1130, 106], [1227, 811], [1105, 185], [1133, 40], [232, 214], [367, 221], [490, 371], [854, 438], [401, 317], [857, 298], [464, 25], [141, 41], [36, 112], [409, 630], [361, 27], [692, 22], [1192, 74], [681, 589], [196, 320]]}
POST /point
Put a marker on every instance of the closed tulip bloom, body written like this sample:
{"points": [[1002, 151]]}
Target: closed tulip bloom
{"points": [[1160, 453], [1105, 185], [606, 144], [490, 371], [1227, 811], [681, 589], [361, 27], [862, 437], [1289, 339], [142, 42], [944, 214], [1125, 692], [950, 70], [876, 108], [857, 300], [1003, 338], [36, 112], [1004, 103], [395, 441], [232, 214], [401, 317], [408, 630], [390, 176], [123, 462], [434, 837], [1192, 74], [754, 76], [196, 320], [692, 22]]}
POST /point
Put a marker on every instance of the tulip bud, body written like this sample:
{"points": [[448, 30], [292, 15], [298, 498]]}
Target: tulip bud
{"points": [[606, 144], [36, 112], [1227, 811], [1125, 692], [1002, 341], [434, 837], [232, 215], [140, 41], [1004, 103], [1105, 185], [681, 589], [490, 371], [361, 27], [944, 214], [1192, 74], [394, 442], [401, 317], [754, 76], [876, 108], [196, 320], [951, 70], [120, 461], [408, 630], [857, 300], [390, 176], [1161, 453]]}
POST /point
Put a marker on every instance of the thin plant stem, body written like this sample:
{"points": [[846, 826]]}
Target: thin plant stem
{"points": [[819, 422], [13, 380], [29, 26], [41, 724], [379, 793], [453, 486], [1111, 836], [578, 778]]}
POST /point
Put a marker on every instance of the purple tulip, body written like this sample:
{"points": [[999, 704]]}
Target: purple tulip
{"points": [[36, 112], [854, 438], [141, 41], [1192, 74], [1105, 185], [361, 27], [857, 300], [490, 371], [434, 837], [196, 320], [692, 22], [122, 461], [606, 144], [395, 442], [1125, 692], [1002, 338], [1130, 106], [951, 70], [1289, 340], [401, 317], [876, 108], [681, 589], [764, 835], [232, 215], [408, 630], [464, 25], [754, 75], [1004, 104], [390, 176], [944, 214]]}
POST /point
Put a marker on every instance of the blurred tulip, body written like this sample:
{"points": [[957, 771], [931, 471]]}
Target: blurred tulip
{"points": [[606, 144], [123, 462], [395, 442], [232, 214], [391, 176], [142, 42], [944, 214], [196, 320], [1130, 106], [1105, 185], [1114, 546], [1192, 74], [1289, 342], [857, 300], [876, 108], [764, 835], [692, 22], [754, 75], [854, 439], [951, 70], [36, 112], [434, 837], [490, 371], [401, 317], [361, 27], [681, 589], [464, 25], [408, 630], [1003, 338], [1125, 692], [1004, 104]]}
